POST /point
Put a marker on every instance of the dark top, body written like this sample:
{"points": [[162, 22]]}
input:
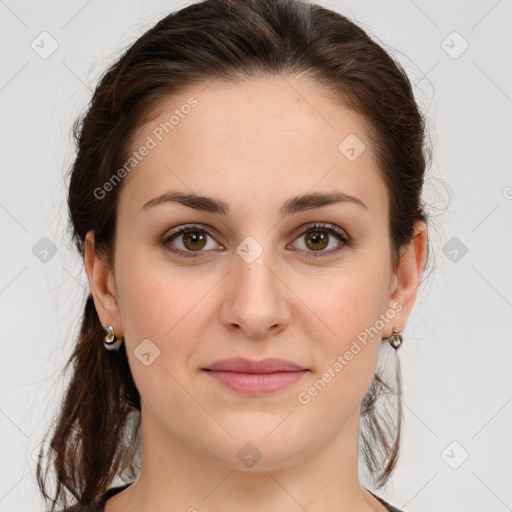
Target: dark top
{"points": [[99, 504]]}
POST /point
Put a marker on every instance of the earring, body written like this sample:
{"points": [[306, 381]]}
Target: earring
{"points": [[111, 342], [395, 340]]}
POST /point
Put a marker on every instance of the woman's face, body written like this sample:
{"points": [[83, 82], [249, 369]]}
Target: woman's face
{"points": [[240, 283]]}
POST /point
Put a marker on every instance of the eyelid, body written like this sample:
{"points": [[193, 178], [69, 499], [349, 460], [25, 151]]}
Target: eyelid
{"points": [[186, 227], [180, 230], [345, 240], [322, 225]]}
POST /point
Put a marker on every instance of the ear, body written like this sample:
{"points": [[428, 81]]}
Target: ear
{"points": [[406, 279], [102, 283]]}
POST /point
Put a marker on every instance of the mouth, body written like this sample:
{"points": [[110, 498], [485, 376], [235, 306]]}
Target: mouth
{"points": [[252, 377]]}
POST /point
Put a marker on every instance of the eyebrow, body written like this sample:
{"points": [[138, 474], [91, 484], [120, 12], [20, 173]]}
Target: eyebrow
{"points": [[293, 205]]}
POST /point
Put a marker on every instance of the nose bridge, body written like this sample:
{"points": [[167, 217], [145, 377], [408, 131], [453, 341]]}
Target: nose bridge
{"points": [[256, 283], [258, 299]]}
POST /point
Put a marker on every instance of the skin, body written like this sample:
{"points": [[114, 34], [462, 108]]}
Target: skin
{"points": [[254, 145]]}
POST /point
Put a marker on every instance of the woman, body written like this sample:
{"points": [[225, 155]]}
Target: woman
{"points": [[247, 199]]}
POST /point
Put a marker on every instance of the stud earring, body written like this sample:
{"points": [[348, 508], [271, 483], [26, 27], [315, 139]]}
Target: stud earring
{"points": [[395, 340], [111, 342]]}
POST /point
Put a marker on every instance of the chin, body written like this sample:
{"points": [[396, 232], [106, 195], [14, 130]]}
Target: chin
{"points": [[259, 447], [253, 457]]}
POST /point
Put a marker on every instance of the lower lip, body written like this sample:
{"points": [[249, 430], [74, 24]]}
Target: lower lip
{"points": [[256, 383]]}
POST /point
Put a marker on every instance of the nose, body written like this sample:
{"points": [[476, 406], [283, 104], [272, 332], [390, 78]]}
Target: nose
{"points": [[256, 299]]}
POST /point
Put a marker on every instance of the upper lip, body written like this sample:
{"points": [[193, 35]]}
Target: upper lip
{"points": [[243, 365]]}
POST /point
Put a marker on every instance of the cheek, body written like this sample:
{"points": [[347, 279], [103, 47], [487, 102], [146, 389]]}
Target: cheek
{"points": [[352, 301], [162, 311], [157, 298], [172, 308], [349, 307]]}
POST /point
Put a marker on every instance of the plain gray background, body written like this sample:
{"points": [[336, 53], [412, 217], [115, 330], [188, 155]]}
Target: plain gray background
{"points": [[456, 358]]}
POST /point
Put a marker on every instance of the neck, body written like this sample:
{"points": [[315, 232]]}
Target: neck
{"points": [[175, 477]]}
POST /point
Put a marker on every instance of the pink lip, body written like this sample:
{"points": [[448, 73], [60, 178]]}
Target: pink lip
{"points": [[255, 377], [241, 364]]}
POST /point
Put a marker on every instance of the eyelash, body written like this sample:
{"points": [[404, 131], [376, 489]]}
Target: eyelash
{"points": [[345, 240]]}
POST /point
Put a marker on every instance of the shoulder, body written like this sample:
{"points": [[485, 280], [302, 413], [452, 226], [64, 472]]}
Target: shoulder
{"points": [[390, 507], [98, 505], [80, 508]]}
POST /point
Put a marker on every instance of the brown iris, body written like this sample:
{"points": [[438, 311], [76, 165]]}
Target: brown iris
{"points": [[317, 237], [194, 237]]}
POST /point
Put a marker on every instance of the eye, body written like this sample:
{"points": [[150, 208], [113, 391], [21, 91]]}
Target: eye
{"points": [[317, 238], [192, 239]]}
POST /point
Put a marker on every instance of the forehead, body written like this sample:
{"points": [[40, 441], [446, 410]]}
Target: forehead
{"points": [[275, 135]]}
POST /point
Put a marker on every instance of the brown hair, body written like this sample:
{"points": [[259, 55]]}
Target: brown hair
{"points": [[97, 430]]}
